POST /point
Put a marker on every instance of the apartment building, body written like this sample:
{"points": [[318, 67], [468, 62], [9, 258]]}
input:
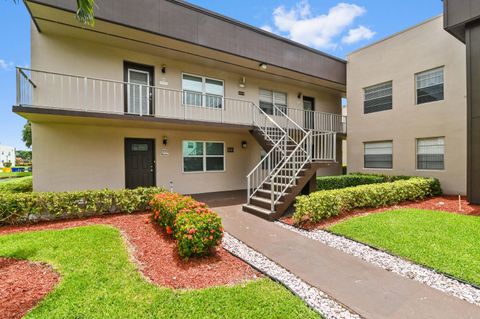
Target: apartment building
{"points": [[407, 106], [7, 155], [167, 93]]}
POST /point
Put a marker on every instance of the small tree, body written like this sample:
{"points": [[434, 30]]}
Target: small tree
{"points": [[27, 134], [85, 11]]}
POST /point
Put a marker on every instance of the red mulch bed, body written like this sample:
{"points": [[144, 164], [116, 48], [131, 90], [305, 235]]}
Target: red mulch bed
{"points": [[441, 203], [22, 285], [156, 253]]}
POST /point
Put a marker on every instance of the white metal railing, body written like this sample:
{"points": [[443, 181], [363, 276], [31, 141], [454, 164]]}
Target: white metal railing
{"points": [[55, 90]]}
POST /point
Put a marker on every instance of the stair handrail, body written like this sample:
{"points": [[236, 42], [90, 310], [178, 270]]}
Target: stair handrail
{"points": [[267, 117], [276, 195], [254, 179]]}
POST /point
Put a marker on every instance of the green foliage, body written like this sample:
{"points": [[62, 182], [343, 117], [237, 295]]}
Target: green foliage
{"points": [[23, 207], [165, 207], [27, 134], [85, 11], [16, 185], [197, 233], [444, 241], [342, 181], [324, 204], [98, 280], [13, 175], [7, 164], [25, 155]]}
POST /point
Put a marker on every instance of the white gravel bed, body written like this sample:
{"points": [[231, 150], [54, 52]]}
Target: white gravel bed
{"points": [[315, 298], [394, 264]]}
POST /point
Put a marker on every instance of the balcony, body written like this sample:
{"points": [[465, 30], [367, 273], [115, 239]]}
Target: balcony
{"points": [[78, 95]]}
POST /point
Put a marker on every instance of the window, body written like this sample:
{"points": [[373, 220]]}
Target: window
{"points": [[378, 98], [203, 156], [269, 98], [201, 91], [378, 154], [429, 86], [431, 153]]}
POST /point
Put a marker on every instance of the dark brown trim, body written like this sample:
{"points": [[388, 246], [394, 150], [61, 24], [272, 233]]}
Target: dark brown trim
{"points": [[214, 15], [226, 19], [38, 110], [209, 58], [141, 67]]}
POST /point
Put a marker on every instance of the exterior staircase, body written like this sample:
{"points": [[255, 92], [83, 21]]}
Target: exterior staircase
{"points": [[293, 156]]}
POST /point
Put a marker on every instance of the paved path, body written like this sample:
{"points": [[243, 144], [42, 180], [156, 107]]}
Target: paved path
{"points": [[366, 289]]}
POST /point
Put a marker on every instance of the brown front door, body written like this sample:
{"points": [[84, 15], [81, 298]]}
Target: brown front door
{"points": [[139, 162], [309, 108]]}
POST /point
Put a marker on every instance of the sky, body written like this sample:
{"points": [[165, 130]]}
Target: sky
{"points": [[335, 27]]}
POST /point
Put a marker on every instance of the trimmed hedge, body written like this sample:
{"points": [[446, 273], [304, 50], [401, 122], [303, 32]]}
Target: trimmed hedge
{"points": [[17, 185], [324, 204], [343, 181], [197, 229], [32, 207], [198, 234]]}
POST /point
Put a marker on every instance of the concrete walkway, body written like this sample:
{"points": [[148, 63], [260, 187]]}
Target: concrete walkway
{"points": [[366, 289]]}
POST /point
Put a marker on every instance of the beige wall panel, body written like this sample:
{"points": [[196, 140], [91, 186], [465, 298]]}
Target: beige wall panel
{"points": [[398, 59]]}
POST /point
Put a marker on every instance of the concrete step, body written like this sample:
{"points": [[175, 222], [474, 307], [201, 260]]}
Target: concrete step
{"points": [[266, 193], [258, 211]]}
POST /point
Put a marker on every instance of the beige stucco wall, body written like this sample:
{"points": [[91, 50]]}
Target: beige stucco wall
{"points": [[79, 157], [397, 59], [66, 54]]}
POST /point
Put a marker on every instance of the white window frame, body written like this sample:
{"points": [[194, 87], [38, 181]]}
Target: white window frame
{"points": [[204, 78], [444, 154], [204, 156], [377, 168], [140, 85], [372, 87], [442, 67], [273, 100]]}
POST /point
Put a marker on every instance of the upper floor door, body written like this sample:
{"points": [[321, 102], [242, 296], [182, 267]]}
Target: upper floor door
{"points": [[309, 108], [138, 93]]}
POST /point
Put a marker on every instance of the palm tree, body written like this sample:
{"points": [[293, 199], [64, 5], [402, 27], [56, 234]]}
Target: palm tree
{"points": [[85, 11]]}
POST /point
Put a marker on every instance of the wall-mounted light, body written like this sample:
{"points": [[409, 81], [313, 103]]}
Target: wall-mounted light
{"points": [[165, 140], [299, 95], [262, 66], [244, 144], [164, 68], [242, 83]]}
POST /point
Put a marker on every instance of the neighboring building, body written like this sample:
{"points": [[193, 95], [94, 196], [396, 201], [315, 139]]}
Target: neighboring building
{"points": [[462, 21], [170, 94], [407, 106], [7, 155]]}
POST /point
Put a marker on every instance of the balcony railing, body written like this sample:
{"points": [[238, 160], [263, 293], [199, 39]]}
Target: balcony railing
{"points": [[53, 90]]}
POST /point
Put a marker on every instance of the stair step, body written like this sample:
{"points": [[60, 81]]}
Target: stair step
{"points": [[267, 186], [266, 193], [258, 211], [262, 202]]}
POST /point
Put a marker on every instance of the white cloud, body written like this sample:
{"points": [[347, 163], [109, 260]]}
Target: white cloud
{"points": [[358, 34], [267, 28], [320, 31], [5, 66]]}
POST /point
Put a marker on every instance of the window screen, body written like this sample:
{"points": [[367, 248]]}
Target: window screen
{"points": [[202, 91], [378, 98], [269, 98], [431, 153], [430, 86], [378, 154]]}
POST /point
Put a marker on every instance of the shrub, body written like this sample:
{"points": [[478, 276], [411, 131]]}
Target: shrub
{"points": [[166, 206], [23, 207], [328, 203], [197, 233], [342, 181], [17, 185]]}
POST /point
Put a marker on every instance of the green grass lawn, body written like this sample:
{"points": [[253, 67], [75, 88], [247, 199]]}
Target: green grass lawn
{"points": [[444, 241], [99, 281], [16, 185], [14, 174]]}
